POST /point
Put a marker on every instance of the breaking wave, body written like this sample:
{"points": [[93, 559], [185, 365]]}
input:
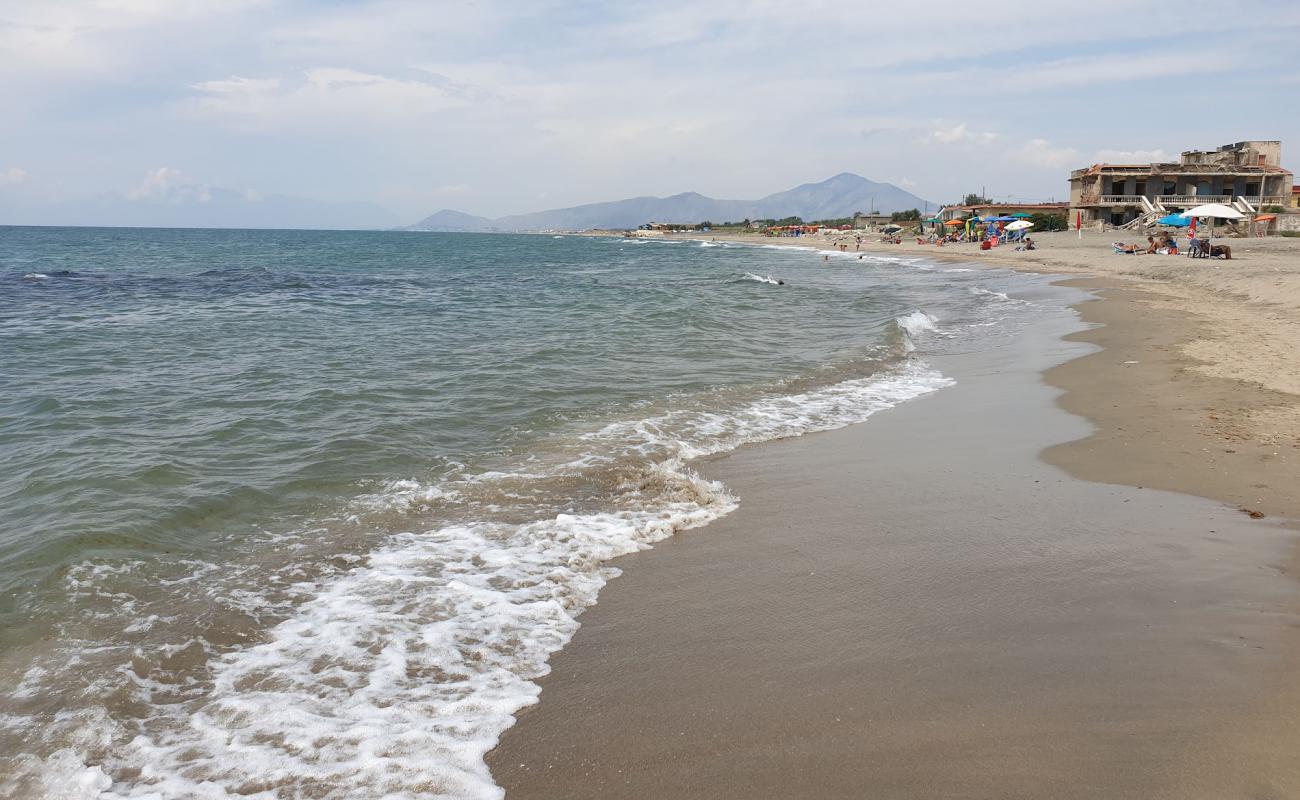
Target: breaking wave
{"points": [[394, 675]]}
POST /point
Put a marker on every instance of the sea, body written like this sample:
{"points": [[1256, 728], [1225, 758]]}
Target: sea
{"points": [[297, 514]]}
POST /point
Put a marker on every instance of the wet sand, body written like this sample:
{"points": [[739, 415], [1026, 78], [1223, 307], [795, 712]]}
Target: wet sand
{"points": [[921, 607], [1162, 421]]}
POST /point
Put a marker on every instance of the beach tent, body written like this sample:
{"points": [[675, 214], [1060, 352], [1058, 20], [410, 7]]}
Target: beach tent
{"points": [[1174, 220], [1212, 211]]}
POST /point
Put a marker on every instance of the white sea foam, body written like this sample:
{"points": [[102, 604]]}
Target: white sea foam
{"points": [[918, 322], [394, 679], [913, 326], [36, 276], [749, 276], [981, 292]]}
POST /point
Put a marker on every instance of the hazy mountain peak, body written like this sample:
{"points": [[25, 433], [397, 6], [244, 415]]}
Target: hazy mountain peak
{"points": [[833, 198]]}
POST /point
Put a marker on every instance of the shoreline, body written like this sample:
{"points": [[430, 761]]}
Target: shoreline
{"points": [[1202, 343], [922, 622]]}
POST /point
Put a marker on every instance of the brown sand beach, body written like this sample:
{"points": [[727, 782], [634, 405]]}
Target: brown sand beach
{"points": [[1041, 582]]}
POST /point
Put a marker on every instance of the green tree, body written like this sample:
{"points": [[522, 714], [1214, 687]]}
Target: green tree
{"points": [[911, 215], [1048, 222], [975, 200]]}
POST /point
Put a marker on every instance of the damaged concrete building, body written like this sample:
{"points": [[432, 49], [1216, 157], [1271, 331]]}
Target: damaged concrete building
{"points": [[1248, 176]]}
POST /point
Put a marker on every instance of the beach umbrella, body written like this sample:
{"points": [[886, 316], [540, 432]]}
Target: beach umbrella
{"points": [[1020, 225], [892, 228], [953, 223], [1175, 220], [1212, 211], [1020, 214]]}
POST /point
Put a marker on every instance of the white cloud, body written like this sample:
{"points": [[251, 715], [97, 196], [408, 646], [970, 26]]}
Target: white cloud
{"points": [[156, 183], [1042, 153], [1132, 156], [339, 96], [954, 134], [164, 185], [237, 85], [13, 176]]}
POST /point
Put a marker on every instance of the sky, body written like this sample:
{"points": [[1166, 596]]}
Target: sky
{"points": [[112, 109]]}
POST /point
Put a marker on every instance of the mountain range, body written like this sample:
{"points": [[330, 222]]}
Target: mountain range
{"points": [[836, 197]]}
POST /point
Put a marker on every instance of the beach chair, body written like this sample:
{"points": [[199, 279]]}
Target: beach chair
{"points": [[1198, 249]]}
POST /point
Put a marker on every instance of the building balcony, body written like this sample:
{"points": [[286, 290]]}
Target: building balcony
{"points": [[1193, 199], [1112, 200]]}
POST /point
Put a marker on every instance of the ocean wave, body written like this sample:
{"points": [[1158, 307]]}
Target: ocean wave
{"points": [[909, 327], [396, 675], [749, 276], [982, 292]]}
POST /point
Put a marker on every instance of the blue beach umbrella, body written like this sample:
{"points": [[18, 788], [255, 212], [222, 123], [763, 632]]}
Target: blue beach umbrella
{"points": [[1174, 220]]}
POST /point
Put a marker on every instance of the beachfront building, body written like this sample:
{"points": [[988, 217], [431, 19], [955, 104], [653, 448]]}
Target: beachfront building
{"points": [[1295, 196], [1248, 176]]}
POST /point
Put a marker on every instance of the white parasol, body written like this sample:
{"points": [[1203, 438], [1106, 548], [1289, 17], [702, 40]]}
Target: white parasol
{"points": [[1212, 211]]}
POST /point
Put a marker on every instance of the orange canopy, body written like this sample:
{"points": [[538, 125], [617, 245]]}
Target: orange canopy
{"points": [[1266, 218], [955, 222]]}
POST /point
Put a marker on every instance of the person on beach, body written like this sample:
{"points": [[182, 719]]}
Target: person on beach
{"points": [[1152, 247]]}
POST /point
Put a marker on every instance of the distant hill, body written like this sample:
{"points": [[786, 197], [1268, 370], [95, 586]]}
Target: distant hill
{"points": [[448, 220], [839, 196]]}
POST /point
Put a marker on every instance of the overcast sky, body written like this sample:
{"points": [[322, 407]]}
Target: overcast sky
{"points": [[496, 107]]}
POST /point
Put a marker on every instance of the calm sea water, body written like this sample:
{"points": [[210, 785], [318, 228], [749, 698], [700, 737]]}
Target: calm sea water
{"points": [[303, 514]]}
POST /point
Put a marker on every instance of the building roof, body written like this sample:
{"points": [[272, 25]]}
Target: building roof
{"points": [[1044, 206], [1189, 169]]}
